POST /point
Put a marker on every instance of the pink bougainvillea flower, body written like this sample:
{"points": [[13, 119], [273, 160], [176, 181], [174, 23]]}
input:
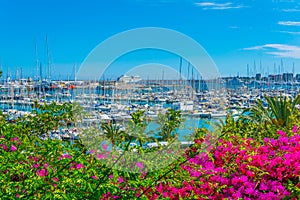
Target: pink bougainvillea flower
{"points": [[2, 136], [35, 159], [17, 196], [101, 156], [14, 139], [35, 165], [120, 179], [195, 174], [111, 176], [65, 156], [79, 166], [104, 146], [295, 128], [55, 179], [94, 177], [13, 148], [263, 186], [92, 151], [44, 172], [282, 133], [4, 147], [41, 172], [139, 165]]}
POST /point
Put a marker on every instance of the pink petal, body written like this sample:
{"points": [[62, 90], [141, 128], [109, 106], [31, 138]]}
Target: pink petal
{"points": [[139, 165], [295, 129], [13, 148], [104, 146], [79, 166]]}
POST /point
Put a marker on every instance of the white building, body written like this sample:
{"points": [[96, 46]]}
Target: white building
{"points": [[129, 79]]}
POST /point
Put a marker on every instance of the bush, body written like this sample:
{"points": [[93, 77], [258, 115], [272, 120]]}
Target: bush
{"points": [[234, 166]]}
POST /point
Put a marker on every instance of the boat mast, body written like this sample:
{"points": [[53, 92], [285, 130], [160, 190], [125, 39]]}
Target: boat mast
{"points": [[180, 66], [254, 65], [75, 72], [48, 58], [17, 74], [292, 69], [248, 71], [261, 70], [188, 75], [282, 67], [36, 61], [193, 86], [1, 67]]}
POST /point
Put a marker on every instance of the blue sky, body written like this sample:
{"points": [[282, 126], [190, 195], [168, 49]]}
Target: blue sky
{"points": [[234, 33]]}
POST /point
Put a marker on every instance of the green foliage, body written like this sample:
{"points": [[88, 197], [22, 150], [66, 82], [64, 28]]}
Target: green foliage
{"points": [[48, 117], [32, 168], [260, 122], [169, 123], [278, 113], [137, 128], [113, 133]]}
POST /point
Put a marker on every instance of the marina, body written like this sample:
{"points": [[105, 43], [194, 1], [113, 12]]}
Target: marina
{"points": [[114, 101], [187, 96]]}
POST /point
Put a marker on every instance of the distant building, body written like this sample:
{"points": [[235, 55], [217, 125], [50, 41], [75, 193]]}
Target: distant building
{"points": [[234, 83], [258, 77], [129, 79], [288, 77], [278, 77], [297, 77], [264, 79], [271, 77]]}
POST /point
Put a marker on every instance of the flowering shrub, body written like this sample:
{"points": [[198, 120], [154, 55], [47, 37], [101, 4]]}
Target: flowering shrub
{"points": [[241, 168], [232, 167]]}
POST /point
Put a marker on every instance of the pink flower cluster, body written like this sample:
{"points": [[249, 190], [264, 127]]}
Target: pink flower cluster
{"points": [[65, 156], [239, 168], [43, 171], [14, 142], [76, 166]]}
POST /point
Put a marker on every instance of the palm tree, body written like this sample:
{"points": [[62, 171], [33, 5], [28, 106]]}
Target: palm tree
{"points": [[137, 128], [169, 123], [278, 112], [113, 133]]}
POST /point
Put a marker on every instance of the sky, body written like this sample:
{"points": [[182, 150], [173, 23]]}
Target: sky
{"points": [[261, 34]]}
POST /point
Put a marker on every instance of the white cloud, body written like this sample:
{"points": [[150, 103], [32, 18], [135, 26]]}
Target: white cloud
{"points": [[283, 1], [291, 10], [217, 6], [279, 50], [290, 32], [289, 23]]}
